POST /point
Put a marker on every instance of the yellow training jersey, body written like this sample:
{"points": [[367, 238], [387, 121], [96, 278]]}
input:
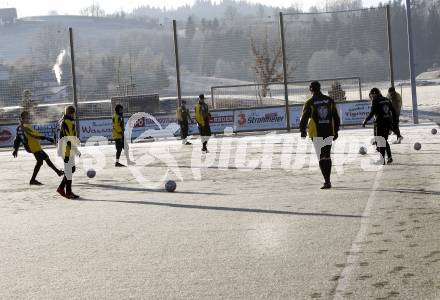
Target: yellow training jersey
{"points": [[68, 130], [31, 138], [202, 114], [118, 127]]}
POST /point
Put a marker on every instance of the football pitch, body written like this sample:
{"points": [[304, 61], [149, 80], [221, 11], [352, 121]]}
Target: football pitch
{"points": [[247, 220]]}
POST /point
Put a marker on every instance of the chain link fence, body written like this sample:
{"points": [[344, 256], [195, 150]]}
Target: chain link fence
{"points": [[237, 60], [123, 61], [236, 51], [33, 76], [337, 44]]}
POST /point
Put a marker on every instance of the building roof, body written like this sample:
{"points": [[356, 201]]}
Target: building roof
{"points": [[8, 13]]}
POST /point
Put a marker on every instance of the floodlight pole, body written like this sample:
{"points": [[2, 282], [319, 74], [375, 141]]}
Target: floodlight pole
{"points": [[176, 55], [411, 63], [285, 79], [390, 45], [75, 94]]}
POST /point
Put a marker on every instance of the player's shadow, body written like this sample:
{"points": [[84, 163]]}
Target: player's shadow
{"points": [[391, 190], [417, 165], [135, 189], [222, 208]]}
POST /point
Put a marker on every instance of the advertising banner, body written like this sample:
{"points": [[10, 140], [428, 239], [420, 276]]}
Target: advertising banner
{"points": [[295, 116], [353, 113], [220, 120], [98, 127], [260, 119], [7, 135]]}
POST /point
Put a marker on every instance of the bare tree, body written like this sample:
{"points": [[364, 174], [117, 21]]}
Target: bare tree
{"points": [[94, 10], [267, 63]]}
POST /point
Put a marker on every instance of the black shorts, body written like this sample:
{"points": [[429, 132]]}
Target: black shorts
{"points": [[40, 155], [382, 130], [184, 128], [205, 130], [119, 144]]}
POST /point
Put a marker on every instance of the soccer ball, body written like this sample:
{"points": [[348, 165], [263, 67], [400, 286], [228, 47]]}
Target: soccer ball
{"points": [[417, 146], [170, 186], [434, 130], [91, 173], [362, 150]]}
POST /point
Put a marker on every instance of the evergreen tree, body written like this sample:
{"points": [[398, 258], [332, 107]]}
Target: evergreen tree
{"points": [[190, 28]]}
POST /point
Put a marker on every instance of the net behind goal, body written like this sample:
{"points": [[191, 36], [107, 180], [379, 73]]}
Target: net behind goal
{"points": [[272, 94]]}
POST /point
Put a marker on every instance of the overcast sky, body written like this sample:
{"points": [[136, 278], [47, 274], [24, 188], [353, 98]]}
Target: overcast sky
{"points": [[41, 7]]}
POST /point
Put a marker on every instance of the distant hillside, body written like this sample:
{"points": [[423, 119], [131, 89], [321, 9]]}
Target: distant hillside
{"points": [[208, 10], [17, 38]]}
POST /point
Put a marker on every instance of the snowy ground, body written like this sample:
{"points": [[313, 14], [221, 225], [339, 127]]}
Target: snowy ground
{"points": [[230, 230]]}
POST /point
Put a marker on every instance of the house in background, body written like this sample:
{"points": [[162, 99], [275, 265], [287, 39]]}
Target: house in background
{"points": [[8, 16], [51, 94], [45, 89]]}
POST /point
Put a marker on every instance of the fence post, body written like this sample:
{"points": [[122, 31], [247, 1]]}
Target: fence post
{"points": [[176, 55], [212, 97], [412, 68], [285, 79], [390, 45], [75, 95]]}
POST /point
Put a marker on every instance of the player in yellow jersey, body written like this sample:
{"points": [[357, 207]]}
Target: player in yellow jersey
{"points": [[184, 118], [68, 150], [203, 118], [118, 135], [30, 138]]}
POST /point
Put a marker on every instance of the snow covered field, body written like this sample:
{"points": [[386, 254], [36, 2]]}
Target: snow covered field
{"points": [[241, 224]]}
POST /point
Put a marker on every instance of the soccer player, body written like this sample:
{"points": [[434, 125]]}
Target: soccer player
{"points": [[321, 118], [118, 135], [30, 138], [203, 119], [384, 120], [68, 149], [396, 101], [183, 118]]}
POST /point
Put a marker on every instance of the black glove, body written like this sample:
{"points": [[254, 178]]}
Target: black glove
{"points": [[335, 137], [303, 134], [364, 123], [14, 154]]}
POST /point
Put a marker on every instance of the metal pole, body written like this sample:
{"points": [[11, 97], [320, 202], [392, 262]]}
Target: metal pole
{"points": [[212, 98], [390, 45], [176, 55], [286, 91], [411, 63], [75, 94]]}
